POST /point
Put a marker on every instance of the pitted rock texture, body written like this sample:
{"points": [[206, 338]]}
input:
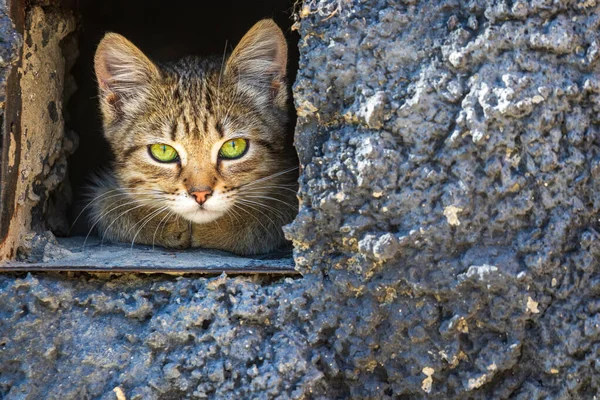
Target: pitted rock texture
{"points": [[447, 235], [450, 156], [154, 337]]}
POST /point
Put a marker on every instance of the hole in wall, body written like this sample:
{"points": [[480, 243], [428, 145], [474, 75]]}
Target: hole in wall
{"points": [[164, 33]]}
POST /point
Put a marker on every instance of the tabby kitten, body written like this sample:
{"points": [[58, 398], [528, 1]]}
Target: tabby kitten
{"points": [[201, 156]]}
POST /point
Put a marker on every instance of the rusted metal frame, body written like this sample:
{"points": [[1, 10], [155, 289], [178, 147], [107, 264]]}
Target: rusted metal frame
{"points": [[137, 269]]}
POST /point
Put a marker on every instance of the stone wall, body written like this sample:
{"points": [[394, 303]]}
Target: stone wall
{"points": [[447, 235]]}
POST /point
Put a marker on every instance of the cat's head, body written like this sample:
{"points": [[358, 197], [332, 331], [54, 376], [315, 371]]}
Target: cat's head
{"points": [[190, 135]]}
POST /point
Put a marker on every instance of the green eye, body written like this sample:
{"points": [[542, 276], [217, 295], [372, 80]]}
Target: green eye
{"points": [[234, 148], [163, 152]]}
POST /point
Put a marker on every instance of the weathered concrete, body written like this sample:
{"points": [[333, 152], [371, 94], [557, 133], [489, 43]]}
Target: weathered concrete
{"points": [[43, 144], [447, 233]]}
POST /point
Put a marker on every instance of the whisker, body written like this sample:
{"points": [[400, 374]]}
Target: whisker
{"points": [[142, 220], [147, 219], [101, 196], [230, 217], [287, 171], [218, 94], [144, 202], [165, 218], [259, 188], [235, 214], [128, 201], [97, 218], [271, 198], [177, 219], [253, 216], [118, 217], [277, 212], [222, 65], [250, 204], [104, 214]]}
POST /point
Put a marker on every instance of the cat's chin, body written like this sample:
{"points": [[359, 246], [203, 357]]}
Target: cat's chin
{"points": [[202, 216]]}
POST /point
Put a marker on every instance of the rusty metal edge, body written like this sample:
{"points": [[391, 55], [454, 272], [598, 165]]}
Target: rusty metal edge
{"points": [[6, 268]]}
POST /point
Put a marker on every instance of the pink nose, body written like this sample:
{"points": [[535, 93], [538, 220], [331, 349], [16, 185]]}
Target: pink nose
{"points": [[201, 196]]}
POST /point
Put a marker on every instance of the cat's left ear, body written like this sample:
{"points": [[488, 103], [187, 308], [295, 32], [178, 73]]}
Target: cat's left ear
{"points": [[125, 75], [260, 59]]}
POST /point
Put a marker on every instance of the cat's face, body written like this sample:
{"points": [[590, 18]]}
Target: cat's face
{"points": [[190, 137]]}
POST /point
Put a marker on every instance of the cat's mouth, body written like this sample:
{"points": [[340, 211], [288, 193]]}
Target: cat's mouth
{"points": [[199, 213]]}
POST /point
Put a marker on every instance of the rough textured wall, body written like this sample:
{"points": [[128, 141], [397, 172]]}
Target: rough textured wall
{"points": [[451, 153], [43, 145], [447, 233]]}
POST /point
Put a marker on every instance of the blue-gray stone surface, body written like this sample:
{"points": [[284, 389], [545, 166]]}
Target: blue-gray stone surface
{"points": [[447, 236]]}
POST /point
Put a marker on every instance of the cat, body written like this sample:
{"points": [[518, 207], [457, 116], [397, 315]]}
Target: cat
{"points": [[201, 157]]}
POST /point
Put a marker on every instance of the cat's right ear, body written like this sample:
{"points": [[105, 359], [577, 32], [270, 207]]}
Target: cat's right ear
{"points": [[260, 60], [124, 75]]}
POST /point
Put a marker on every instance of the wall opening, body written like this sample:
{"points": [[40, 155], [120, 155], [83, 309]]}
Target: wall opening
{"points": [[164, 33]]}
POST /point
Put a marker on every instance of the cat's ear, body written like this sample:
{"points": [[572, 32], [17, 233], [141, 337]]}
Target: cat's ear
{"points": [[124, 74], [260, 59]]}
